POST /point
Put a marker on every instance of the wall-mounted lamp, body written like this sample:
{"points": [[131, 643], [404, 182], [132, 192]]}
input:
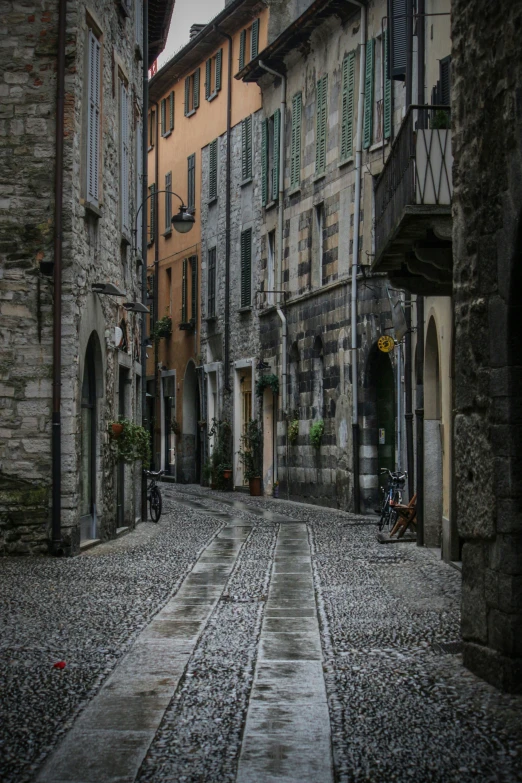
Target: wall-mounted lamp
{"points": [[183, 221], [135, 307], [108, 289], [261, 365]]}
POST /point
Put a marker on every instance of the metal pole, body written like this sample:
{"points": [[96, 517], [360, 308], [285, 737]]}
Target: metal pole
{"points": [[144, 191], [419, 414], [399, 407], [408, 414]]}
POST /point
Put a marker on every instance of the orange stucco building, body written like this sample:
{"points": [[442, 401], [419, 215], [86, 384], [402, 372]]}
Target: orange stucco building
{"points": [[193, 100]]}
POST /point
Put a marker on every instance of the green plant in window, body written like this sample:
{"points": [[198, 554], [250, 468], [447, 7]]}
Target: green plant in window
{"points": [[162, 328], [316, 433], [264, 381]]}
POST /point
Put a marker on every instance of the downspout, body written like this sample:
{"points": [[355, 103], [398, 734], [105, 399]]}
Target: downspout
{"points": [[280, 215], [227, 211], [419, 370], [408, 414], [157, 401], [144, 226], [355, 262], [57, 547]]}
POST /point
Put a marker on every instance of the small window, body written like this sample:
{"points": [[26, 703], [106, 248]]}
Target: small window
{"points": [[248, 44], [192, 93], [167, 115], [168, 201], [246, 268], [270, 158], [212, 170], [211, 283], [191, 182], [246, 148], [213, 74]]}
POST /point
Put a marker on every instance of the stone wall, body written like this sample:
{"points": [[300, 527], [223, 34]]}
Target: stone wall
{"points": [[92, 252], [487, 242]]}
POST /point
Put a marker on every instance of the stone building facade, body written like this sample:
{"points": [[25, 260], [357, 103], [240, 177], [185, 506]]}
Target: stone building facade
{"points": [[99, 380], [487, 240]]}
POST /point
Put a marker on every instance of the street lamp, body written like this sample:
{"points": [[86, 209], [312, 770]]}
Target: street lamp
{"points": [[182, 222]]}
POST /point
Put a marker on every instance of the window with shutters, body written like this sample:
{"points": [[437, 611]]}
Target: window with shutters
{"points": [[152, 128], [397, 27], [152, 213], [191, 183], [193, 288], [387, 91], [368, 96], [347, 107], [321, 125], [192, 92], [248, 44], [246, 268], [212, 170], [213, 75], [270, 281], [378, 93], [246, 149], [171, 112], [295, 150], [163, 116], [270, 146], [168, 202], [211, 283], [124, 160], [92, 185], [184, 291], [167, 115]]}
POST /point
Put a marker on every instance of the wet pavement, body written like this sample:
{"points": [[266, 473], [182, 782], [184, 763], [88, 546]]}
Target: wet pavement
{"points": [[245, 640]]}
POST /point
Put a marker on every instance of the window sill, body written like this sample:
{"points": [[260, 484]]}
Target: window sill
{"points": [[125, 239], [150, 244], [166, 135], [188, 326], [191, 113], [93, 209], [295, 190], [167, 233], [319, 176], [270, 205], [211, 201], [213, 95], [378, 146], [247, 181], [346, 162], [245, 310], [150, 148], [210, 319]]}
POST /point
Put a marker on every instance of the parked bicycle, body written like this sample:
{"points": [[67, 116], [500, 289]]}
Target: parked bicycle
{"points": [[390, 498], [153, 494]]}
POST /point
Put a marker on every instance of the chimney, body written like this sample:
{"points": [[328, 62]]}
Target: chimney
{"points": [[196, 29]]}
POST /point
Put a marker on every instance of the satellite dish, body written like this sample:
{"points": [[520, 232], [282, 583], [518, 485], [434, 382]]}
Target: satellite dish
{"points": [[118, 336]]}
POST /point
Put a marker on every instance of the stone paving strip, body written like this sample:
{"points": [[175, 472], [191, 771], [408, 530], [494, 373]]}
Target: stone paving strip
{"points": [[287, 732], [109, 740]]}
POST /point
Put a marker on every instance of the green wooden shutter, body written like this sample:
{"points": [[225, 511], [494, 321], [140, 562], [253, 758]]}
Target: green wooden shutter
{"points": [[242, 47], [264, 162], [171, 112], [277, 146], [187, 95], [191, 181], [208, 77], [368, 96], [212, 174], [254, 49], [246, 148], [295, 156], [152, 199], [347, 106], [219, 69], [194, 287], [184, 293], [196, 88], [246, 268], [387, 93], [321, 122], [163, 108]]}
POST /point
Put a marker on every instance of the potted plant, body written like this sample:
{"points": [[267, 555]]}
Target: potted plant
{"points": [[251, 456], [220, 436], [133, 443], [162, 328], [265, 381], [227, 471], [116, 429]]}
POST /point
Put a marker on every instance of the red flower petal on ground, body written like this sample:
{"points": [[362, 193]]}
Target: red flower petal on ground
{"points": [[59, 665]]}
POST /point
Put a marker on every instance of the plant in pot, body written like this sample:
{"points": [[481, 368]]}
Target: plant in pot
{"points": [[132, 444], [251, 456], [220, 437], [115, 429]]}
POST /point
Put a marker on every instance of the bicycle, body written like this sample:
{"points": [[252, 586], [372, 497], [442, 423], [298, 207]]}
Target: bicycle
{"points": [[391, 497], [153, 494]]}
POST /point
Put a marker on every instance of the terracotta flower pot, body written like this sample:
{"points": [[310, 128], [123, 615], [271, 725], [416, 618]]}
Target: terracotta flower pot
{"points": [[116, 429], [227, 474], [255, 486]]}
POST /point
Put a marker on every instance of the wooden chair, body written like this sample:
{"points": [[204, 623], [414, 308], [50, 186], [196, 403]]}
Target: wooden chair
{"points": [[406, 516]]}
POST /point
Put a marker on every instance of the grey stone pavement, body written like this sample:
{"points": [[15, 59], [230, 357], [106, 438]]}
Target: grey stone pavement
{"points": [[244, 640]]}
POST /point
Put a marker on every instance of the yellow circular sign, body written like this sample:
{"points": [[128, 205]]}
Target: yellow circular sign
{"points": [[385, 343]]}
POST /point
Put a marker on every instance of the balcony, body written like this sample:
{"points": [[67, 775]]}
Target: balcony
{"points": [[413, 205]]}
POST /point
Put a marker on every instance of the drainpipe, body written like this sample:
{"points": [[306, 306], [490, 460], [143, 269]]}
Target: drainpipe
{"points": [[157, 401], [355, 261], [57, 547], [227, 211], [280, 211], [408, 415], [419, 370], [144, 226]]}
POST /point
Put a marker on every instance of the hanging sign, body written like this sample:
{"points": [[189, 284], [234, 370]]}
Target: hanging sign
{"points": [[385, 343]]}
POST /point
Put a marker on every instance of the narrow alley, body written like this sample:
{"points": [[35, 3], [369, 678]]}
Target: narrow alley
{"points": [[249, 640]]}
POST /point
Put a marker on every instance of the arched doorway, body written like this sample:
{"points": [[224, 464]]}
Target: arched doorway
{"points": [[379, 431], [432, 439], [190, 437], [89, 441]]}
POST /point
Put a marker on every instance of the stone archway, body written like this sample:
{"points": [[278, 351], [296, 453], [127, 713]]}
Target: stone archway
{"points": [[91, 388], [432, 439]]}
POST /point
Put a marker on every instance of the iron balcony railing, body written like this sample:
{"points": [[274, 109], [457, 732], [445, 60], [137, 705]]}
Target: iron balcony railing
{"points": [[417, 171]]}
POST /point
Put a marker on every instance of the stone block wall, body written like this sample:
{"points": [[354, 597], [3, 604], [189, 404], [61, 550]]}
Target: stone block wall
{"points": [[487, 242]]}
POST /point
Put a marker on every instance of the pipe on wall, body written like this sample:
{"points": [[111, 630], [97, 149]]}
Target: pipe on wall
{"points": [[355, 262], [419, 369], [144, 193], [57, 546], [156, 437]]}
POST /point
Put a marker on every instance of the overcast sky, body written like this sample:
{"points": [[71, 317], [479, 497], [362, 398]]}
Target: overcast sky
{"points": [[185, 14]]}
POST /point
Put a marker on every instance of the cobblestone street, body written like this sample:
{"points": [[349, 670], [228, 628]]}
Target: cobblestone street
{"points": [[247, 640]]}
